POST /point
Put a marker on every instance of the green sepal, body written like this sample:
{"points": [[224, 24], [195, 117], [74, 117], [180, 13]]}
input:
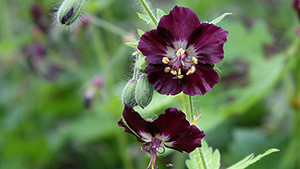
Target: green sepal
{"points": [[69, 11], [128, 94], [144, 92]]}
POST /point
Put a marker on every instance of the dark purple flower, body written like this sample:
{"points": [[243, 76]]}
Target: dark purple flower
{"points": [[170, 130], [181, 51]]}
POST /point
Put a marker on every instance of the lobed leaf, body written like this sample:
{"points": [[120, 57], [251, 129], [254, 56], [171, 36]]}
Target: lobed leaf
{"points": [[247, 161]]}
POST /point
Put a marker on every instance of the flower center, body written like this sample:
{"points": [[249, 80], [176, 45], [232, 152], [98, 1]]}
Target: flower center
{"points": [[181, 64], [153, 148]]}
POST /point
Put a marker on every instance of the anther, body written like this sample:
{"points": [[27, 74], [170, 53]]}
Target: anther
{"points": [[180, 76], [191, 70], [167, 69], [195, 60], [173, 72], [179, 71], [165, 60], [180, 52], [181, 63]]}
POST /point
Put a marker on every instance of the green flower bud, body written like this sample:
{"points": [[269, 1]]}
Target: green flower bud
{"points": [[143, 91], [128, 94], [69, 11], [142, 64]]}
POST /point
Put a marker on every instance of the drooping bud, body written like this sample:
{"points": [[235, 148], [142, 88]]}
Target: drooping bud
{"points": [[128, 94], [144, 91], [69, 11], [142, 64]]}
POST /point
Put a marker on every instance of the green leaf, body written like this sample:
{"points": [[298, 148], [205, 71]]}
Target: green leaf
{"points": [[140, 32], [212, 158], [133, 44], [247, 161], [159, 13], [147, 19], [218, 19]]}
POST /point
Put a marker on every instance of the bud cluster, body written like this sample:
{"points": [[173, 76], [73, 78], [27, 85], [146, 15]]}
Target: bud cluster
{"points": [[138, 92]]}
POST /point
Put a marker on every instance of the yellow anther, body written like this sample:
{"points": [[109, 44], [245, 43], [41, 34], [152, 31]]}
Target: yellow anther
{"points": [[173, 72], [179, 71], [167, 69], [180, 52], [165, 60], [191, 70], [195, 60], [180, 76]]}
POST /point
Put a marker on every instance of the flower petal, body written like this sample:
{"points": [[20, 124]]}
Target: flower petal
{"points": [[171, 122], [187, 140], [200, 82], [153, 44], [162, 82], [181, 22], [137, 125], [207, 42]]}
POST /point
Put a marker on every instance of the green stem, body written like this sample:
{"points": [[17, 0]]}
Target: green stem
{"points": [[135, 71], [189, 110], [148, 10]]}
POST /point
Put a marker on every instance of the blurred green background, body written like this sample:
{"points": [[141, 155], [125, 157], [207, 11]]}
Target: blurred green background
{"points": [[60, 87]]}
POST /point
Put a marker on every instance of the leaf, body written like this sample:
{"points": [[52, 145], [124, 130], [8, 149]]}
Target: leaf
{"points": [[212, 158], [147, 19], [133, 44], [159, 13], [140, 32], [247, 161], [218, 19]]}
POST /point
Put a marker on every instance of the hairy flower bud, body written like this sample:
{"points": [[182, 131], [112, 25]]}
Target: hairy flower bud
{"points": [[142, 64], [143, 91], [69, 11], [128, 94]]}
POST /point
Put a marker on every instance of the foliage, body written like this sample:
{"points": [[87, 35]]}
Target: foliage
{"points": [[54, 115]]}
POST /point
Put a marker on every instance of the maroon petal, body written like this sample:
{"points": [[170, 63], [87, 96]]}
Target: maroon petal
{"points": [[201, 81], [136, 123], [128, 130], [187, 140], [181, 22], [171, 122], [153, 46], [162, 82], [207, 41]]}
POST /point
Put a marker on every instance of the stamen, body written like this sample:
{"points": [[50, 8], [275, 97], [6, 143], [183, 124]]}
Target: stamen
{"points": [[179, 71], [195, 60], [167, 69], [180, 76], [180, 52], [165, 60], [181, 63], [173, 72], [191, 70]]}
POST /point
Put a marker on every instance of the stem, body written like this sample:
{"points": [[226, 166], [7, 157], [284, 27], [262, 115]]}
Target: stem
{"points": [[202, 158], [148, 10], [189, 110], [135, 71]]}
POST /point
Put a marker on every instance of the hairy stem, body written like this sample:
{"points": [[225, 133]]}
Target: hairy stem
{"points": [[189, 110], [148, 10]]}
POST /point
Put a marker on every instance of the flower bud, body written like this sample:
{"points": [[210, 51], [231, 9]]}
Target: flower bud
{"points": [[128, 94], [69, 11], [143, 91], [142, 64]]}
